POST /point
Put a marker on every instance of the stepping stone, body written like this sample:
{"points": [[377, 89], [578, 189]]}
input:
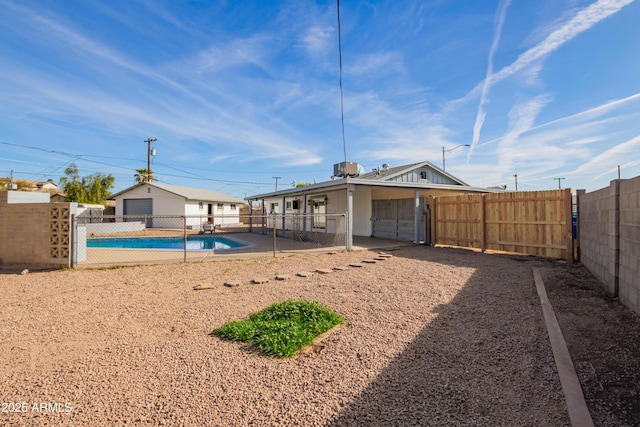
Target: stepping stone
{"points": [[323, 271], [369, 261], [202, 288], [283, 277], [385, 255], [233, 283], [381, 258], [304, 274], [259, 281], [340, 268], [356, 264]]}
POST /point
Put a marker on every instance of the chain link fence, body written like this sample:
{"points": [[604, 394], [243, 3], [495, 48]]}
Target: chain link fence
{"points": [[107, 240]]}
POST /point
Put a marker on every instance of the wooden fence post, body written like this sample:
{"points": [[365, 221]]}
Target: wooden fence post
{"points": [[483, 225], [579, 195], [432, 207], [568, 207]]}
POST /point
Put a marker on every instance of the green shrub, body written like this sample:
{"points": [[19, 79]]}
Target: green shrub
{"points": [[283, 328]]}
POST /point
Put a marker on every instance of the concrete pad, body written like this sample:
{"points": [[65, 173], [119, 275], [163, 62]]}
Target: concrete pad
{"points": [[283, 277], [369, 261], [324, 271], [259, 281], [340, 268], [381, 258], [356, 265]]}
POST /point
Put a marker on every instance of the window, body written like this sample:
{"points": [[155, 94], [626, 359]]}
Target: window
{"points": [[220, 206], [423, 175], [148, 190], [295, 204], [288, 205], [233, 206], [274, 208], [200, 205]]}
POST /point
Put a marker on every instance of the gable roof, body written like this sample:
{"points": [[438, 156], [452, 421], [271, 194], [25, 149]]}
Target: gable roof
{"points": [[189, 193], [383, 179], [387, 173], [390, 173]]}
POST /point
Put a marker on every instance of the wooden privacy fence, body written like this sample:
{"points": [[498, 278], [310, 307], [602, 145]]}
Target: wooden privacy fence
{"points": [[533, 222]]}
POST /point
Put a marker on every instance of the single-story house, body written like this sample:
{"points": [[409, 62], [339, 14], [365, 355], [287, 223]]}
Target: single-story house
{"points": [[388, 202], [158, 199]]}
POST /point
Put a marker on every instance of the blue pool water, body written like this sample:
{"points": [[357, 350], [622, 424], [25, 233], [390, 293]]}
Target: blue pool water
{"points": [[194, 243]]}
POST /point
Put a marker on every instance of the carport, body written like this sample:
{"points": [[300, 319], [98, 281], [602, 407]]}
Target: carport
{"points": [[389, 202]]}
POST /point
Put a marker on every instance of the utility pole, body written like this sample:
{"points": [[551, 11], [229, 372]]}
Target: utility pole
{"points": [[149, 141], [559, 179], [516, 177], [276, 178]]}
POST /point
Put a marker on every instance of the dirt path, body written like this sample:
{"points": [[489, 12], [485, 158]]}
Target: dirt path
{"points": [[433, 337]]}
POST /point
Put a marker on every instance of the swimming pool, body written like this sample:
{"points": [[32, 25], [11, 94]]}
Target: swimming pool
{"points": [[194, 243]]}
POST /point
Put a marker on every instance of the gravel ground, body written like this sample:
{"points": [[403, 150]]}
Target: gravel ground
{"points": [[433, 337]]}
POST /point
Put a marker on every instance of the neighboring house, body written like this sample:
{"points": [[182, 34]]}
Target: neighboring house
{"points": [[198, 205], [388, 202]]}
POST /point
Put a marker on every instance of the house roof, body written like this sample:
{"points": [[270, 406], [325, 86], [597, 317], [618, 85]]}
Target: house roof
{"points": [[385, 178], [390, 173], [188, 193], [386, 173]]}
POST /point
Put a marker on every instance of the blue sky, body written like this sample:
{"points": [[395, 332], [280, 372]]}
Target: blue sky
{"points": [[237, 93]]}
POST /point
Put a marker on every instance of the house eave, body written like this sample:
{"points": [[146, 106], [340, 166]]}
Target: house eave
{"points": [[337, 184]]}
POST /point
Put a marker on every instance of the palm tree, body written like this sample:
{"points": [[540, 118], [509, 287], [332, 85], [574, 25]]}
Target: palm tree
{"points": [[141, 175]]}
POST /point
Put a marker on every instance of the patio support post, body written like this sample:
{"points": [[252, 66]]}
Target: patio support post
{"points": [[304, 215], [350, 189], [250, 216], [284, 211], [416, 219], [263, 218]]}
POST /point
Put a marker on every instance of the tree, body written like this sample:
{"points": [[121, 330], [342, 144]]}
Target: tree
{"points": [[89, 189], [141, 176]]}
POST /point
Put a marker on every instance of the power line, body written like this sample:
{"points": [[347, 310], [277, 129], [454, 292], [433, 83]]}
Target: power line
{"points": [[344, 142]]}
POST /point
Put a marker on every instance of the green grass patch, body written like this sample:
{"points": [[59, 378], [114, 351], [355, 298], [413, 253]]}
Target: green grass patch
{"points": [[284, 328]]}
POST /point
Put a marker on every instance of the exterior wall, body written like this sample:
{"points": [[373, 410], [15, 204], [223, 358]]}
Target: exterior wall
{"points": [[629, 261], [226, 215], [432, 176], [596, 212], [24, 197], [32, 235], [195, 215], [362, 212], [609, 236]]}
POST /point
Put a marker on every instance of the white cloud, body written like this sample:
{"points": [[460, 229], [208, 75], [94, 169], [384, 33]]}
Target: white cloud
{"points": [[252, 50], [318, 40], [481, 114], [376, 63], [580, 22]]}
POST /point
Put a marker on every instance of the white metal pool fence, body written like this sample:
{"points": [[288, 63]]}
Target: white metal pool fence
{"points": [[255, 233]]}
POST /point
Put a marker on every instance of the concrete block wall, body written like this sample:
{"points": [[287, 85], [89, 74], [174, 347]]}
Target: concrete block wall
{"points": [[594, 211], [629, 263], [25, 236], [609, 236]]}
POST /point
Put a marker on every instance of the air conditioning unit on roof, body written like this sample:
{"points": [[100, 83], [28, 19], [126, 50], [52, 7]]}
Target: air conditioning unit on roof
{"points": [[345, 169]]}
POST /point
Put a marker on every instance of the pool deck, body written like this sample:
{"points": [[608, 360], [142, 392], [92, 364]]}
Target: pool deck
{"points": [[259, 246]]}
